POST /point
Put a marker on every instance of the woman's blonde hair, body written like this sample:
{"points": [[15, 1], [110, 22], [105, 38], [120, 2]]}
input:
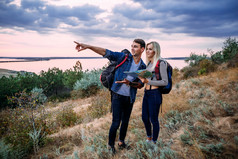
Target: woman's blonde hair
{"points": [[156, 49]]}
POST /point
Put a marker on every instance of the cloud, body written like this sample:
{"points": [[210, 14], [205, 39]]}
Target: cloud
{"points": [[198, 18], [201, 18], [39, 16]]}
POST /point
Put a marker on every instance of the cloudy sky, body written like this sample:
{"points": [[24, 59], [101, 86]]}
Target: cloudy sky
{"points": [[44, 28]]}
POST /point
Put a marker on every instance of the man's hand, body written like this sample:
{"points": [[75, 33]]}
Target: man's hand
{"points": [[80, 46], [98, 50], [125, 81], [132, 84]]}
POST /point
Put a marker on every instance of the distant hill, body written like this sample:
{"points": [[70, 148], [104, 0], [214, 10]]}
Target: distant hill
{"points": [[7, 73]]}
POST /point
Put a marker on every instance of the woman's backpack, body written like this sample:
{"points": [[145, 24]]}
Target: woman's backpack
{"points": [[107, 75], [164, 89]]}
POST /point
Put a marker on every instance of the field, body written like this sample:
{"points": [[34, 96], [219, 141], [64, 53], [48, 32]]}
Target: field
{"points": [[198, 120], [199, 117]]}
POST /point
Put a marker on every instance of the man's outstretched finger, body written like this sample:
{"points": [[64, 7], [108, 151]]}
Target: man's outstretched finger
{"points": [[76, 42]]}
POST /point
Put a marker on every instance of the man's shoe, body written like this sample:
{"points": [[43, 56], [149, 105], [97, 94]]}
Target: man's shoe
{"points": [[122, 145], [112, 149]]}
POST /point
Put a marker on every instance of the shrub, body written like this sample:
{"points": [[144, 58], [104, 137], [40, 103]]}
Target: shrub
{"points": [[194, 59], [52, 81], [60, 97], [176, 75], [217, 58], [67, 117], [190, 71], [71, 76], [206, 66], [89, 84], [100, 106], [4, 150], [96, 147], [27, 117], [186, 138], [212, 149], [38, 95], [229, 51], [233, 62]]}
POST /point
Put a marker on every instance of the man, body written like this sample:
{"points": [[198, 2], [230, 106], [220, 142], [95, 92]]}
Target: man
{"points": [[124, 88]]}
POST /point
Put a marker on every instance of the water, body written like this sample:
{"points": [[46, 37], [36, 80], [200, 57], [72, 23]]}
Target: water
{"points": [[63, 64]]}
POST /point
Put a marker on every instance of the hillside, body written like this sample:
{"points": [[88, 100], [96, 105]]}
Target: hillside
{"points": [[199, 120], [7, 73]]}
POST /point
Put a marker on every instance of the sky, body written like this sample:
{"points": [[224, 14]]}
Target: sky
{"points": [[47, 28]]}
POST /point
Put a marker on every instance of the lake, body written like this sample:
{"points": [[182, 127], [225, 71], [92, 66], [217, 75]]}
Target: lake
{"points": [[63, 64]]}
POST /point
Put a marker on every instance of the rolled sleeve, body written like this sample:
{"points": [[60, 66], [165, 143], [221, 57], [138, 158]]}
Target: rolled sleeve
{"points": [[113, 56], [107, 54]]}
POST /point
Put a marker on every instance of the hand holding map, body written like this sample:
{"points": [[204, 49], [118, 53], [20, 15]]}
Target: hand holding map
{"points": [[141, 73]]}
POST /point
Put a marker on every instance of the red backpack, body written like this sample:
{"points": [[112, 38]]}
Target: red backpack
{"points": [[164, 89]]}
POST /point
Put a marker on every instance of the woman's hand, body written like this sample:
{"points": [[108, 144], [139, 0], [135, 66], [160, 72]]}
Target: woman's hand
{"points": [[143, 80]]}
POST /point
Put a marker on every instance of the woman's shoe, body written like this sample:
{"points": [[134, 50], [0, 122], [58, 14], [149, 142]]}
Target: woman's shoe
{"points": [[149, 139]]}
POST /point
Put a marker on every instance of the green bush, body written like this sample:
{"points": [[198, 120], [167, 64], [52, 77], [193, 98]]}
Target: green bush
{"points": [[217, 57], [229, 51], [38, 95], [206, 66], [194, 59], [52, 81], [72, 75], [90, 83]]}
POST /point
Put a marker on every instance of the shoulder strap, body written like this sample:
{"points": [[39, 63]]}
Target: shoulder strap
{"points": [[157, 71], [122, 61]]}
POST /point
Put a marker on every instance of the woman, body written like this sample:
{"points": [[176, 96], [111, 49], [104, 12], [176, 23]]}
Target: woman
{"points": [[152, 97]]}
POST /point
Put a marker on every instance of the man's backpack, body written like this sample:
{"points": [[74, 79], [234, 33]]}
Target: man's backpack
{"points": [[164, 89], [107, 75]]}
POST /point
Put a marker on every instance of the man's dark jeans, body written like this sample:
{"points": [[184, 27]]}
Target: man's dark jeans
{"points": [[121, 112], [150, 112]]}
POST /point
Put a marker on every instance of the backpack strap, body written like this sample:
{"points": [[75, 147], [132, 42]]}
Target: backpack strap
{"points": [[157, 75], [157, 70], [122, 61]]}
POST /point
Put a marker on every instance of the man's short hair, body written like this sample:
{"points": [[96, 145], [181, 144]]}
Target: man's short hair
{"points": [[141, 42]]}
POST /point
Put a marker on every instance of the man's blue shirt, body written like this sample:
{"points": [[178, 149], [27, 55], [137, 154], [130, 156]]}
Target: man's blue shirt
{"points": [[120, 75]]}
